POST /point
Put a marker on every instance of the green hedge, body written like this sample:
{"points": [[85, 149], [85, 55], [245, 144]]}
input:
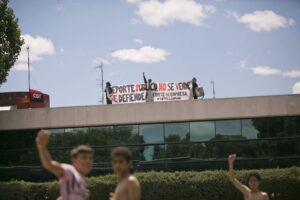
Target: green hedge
{"points": [[207, 185]]}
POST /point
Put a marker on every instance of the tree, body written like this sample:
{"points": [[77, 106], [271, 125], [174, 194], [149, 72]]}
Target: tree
{"points": [[10, 39]]}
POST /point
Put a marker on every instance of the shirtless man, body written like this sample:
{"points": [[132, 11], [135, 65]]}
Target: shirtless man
{"points": [[253, 180], [71, 177], [128, 187]]}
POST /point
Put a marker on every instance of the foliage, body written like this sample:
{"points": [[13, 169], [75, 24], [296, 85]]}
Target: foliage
{"points": [[10, 39], [207, 185]]}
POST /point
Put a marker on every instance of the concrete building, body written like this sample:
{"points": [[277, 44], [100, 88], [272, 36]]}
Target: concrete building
{"points": [[182, 135], [21, 100]]}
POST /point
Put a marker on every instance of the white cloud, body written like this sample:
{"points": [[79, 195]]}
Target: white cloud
{"points": [[296, 88], [292, 73], [265, 70], [62, 50], [139, 41], [39, 47], [259, 21], [146, 54], [133, 1], [99, 60], [19, 66], [157, 13]]}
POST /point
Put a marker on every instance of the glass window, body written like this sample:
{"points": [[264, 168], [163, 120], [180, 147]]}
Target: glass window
{"points": [[102, 156], [76, 136], [249, 130], [283, 126], [177, 151], [102, 135], [57, 138], [126, 134], [115, 135], [228, 129], [177, 132], [201, 131], [200, 151], [151, 133], [18, 139], [152, 152], [275, 126]]}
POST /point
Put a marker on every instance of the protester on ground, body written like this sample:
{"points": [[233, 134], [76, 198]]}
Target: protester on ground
{"points": [[251, 190], [71, 177], [128, 185]]}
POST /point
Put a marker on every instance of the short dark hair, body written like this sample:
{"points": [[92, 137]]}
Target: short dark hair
{"points": [[254, 174], [81, 149], [122, 152]]}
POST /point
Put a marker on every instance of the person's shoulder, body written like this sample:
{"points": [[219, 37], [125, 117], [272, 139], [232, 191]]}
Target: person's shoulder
{"points": [[264, 194], [67, 167], [133, 180]]}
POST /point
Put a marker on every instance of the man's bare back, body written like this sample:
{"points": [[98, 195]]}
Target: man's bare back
{"points": [[127, 189]]}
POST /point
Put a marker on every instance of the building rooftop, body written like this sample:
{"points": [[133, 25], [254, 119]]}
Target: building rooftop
{"points": [[140, 113]]}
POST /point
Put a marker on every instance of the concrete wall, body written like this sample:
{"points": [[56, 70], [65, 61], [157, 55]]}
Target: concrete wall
{"points": [[229, 108]]}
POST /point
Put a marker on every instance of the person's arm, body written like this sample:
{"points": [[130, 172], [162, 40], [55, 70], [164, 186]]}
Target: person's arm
{"points": [[42, 139], [134, 190], [145, 80], [241, 187]]}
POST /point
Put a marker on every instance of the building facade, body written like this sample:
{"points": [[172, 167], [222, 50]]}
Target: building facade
{"points": [[21, 100], [181, 135]]}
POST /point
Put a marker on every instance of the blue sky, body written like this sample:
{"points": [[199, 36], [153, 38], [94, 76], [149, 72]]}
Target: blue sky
{"points": [[248, 48]]}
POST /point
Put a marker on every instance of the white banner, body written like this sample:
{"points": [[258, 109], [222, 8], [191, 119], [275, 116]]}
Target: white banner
{"points": [[162, 91]]}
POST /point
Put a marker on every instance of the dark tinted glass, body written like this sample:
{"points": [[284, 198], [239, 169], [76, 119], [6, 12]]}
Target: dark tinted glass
{"points": [[202, 131], [177, 132], [151, 133], [228, 129]]}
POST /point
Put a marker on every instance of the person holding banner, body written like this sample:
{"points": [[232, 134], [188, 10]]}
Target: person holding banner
{"points": [[150, 88], [108, 92], [192, 85]]}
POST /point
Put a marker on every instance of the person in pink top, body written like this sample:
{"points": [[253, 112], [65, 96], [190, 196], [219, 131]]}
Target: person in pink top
{"points": [[71, 177], [251, 190]]}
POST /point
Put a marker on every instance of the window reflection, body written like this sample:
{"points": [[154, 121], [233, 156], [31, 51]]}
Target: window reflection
{"points": [[228, 129], [126, 134], [201, 131], [102, 135], [57, 138], [249, 130], [200, 151], [176, 132], [76, 136], [177, 151], [151, 133], [152, 152]]}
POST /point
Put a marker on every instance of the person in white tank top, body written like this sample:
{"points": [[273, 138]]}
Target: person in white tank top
{"points": [[250, 192], [71, 177]]}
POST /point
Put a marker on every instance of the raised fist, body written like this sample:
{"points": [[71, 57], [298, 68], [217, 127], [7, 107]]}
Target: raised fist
{"points": [[42, 138], [231, 157]]}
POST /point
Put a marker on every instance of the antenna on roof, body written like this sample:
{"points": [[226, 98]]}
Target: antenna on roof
{"points": [[213, 85], [28, 68], [101, 82]]}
